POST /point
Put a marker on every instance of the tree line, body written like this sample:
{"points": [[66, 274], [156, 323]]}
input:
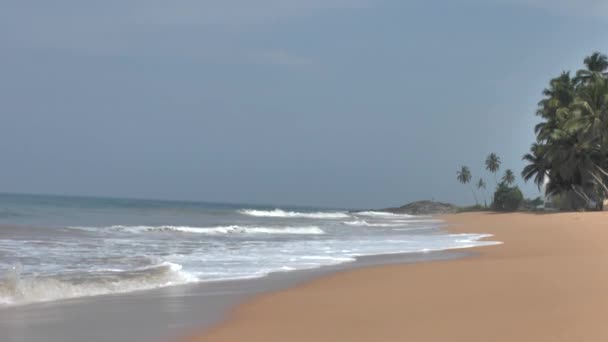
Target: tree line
{"points": [[570, 154], [505, 197], [569, 158]]}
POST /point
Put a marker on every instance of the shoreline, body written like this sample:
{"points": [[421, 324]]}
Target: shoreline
{"points": [[173, 312], [545, 283]]}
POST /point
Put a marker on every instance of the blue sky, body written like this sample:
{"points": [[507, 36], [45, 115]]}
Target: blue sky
{"points": [[344, 103]]}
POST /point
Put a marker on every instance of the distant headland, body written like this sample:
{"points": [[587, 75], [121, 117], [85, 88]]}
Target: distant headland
{"points": [[423, 208]]}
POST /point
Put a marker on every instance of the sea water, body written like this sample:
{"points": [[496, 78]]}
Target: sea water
{"points": [[55, 247]]}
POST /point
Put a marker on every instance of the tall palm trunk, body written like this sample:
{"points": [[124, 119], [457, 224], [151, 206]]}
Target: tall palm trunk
{"points": [[495, 181], [474, 196]]}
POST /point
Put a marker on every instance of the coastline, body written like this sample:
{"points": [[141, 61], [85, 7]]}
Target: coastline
{"points": [[547, 282], [169, 313]]}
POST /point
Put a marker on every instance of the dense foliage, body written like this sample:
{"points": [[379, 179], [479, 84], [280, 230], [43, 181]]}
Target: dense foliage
{"points": [[532, 204], [570, 154], [507, 198]]}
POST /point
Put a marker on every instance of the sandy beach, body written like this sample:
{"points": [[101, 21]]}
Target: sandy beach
{"points": [[547, 282]]}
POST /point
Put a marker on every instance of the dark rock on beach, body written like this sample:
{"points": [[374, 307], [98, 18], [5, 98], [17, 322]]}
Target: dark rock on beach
{"points": [[423, 208]]}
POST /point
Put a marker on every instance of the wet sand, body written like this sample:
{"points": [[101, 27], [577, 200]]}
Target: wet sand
{"points": [[547, 282]]}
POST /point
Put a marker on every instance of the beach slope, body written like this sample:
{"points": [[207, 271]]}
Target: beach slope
{"points": [[547, 282]]}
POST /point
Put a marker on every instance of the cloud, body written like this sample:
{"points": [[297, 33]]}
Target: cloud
{"points": [[280, 57]]}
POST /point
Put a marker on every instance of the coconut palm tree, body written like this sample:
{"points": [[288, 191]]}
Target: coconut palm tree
{"points": [[537, 167], [464, 177], [587, 116], [597, 63], [481, 184], [493, 164], [571, 149], [509, 177], [559, 95]]}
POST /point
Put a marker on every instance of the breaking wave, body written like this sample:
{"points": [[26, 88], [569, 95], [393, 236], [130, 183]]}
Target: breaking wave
{"points": [[294, 214], [221, 230], [15, 290], [381, 214], [363, 223]]}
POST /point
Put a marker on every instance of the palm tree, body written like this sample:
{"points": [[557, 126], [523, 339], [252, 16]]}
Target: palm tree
{"points": [[509, 177], [537, 166], [481, 184], [588, 114], [571, 151], [559, 95], [597, 63], [493, 164], [464, 177]]}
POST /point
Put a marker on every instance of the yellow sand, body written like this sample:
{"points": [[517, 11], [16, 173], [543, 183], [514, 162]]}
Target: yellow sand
{"points": [[547, 282]]}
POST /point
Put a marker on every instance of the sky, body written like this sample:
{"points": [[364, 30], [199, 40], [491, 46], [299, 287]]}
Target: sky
{"points": [[338, 103]]}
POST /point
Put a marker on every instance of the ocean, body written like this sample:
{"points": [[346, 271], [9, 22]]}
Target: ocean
{"points": [[58, 247]]}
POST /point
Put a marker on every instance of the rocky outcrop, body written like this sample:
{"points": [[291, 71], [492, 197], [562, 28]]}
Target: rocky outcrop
{"points": [[423, 208]]}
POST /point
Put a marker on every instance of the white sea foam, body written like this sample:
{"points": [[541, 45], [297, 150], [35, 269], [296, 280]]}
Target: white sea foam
{"points": [[17, 290], [331, 259], [414, 228], [418, 221], [294, 214], [220, 230], [363, 223], [381, 214], [295, 255]]}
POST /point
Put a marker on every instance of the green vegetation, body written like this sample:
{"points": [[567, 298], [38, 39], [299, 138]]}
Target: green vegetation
{"points": [[471, 208], [509, 177], [533, 204], [507, 198], [570, 154]]}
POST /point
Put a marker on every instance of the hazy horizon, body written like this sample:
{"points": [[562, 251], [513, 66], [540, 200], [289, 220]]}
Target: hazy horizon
{"points": [[241, 205], [340, 103]]}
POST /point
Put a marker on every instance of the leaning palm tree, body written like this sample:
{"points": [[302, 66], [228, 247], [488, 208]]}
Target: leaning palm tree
{"points": [[537, 165], [493, 164], [509, 177], [481, 184], [464, 177]]}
